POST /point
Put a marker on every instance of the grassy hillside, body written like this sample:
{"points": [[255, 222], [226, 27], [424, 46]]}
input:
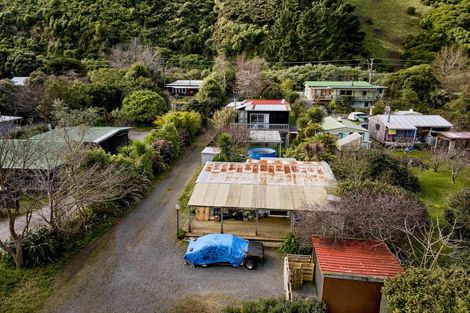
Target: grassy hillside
{"points": [[386, 24]]}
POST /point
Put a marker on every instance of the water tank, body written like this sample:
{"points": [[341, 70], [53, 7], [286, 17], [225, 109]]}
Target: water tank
{"points": [[257, 153]]}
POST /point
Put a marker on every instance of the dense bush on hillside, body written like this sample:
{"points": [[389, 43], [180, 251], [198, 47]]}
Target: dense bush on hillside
{"points": [[277, 29], [445, 24]]}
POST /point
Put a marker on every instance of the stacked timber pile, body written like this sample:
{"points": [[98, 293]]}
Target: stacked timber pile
{"points": [[297, 269], [304, 263]]}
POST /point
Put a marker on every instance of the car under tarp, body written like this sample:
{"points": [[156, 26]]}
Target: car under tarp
{"points": [[217, 248]]}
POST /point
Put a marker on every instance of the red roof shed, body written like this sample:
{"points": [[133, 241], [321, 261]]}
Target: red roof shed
{"points": [[349, 274]]}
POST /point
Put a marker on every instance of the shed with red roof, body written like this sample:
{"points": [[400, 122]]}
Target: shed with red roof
{"points": [[349, 274]]}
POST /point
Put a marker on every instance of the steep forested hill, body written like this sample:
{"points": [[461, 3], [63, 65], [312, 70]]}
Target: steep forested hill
{"points": [[277, 30], [282, 30]]}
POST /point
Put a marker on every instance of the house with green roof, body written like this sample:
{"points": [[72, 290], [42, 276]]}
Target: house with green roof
{"points": [[108, 138], [342, 128], [363, 94]]}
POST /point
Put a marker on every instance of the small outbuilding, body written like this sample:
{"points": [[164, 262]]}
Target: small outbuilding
{"points": [[342, 128], [349, 274], [349, 143], [453, 140], [208, 154]]}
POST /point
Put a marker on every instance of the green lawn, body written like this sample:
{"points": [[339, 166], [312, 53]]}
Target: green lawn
{"points": [[437, 187], [23, 291], [390, 24]]}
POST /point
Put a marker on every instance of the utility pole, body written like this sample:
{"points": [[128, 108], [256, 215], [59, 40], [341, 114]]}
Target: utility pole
{"points": [[164, 72], [370, 65]]}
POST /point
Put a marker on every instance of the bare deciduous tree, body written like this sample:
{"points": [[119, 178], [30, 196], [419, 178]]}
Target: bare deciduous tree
{"points": [[73, 185], [124, 55], [16, 159], [222, 118], [367, 214], [429, 242], [457, 164], [437, 158], [450, 67], [249, 77]]}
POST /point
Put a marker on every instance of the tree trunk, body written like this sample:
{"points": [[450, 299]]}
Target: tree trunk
{"points": [[19, 262]]}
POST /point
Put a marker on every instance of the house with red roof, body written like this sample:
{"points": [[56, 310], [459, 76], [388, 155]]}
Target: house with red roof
{"points": [[349, 274]]}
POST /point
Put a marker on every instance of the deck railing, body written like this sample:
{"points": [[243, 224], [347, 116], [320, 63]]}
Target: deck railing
{"points": [[261, 126]]}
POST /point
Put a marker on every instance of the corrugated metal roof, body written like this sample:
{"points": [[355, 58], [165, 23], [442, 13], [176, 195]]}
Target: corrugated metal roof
{"points": [[330, 123], [185, 84], [456, 135], [353, 138], [275, 105], [342, 84], [263, 184], [268, 172], [6, 118], [414, 121], [265, 136], [19, 80], [81, 134], [362, 258]]}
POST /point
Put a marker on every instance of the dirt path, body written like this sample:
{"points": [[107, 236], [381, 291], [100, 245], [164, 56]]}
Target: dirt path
{"points": [[138, 267]]}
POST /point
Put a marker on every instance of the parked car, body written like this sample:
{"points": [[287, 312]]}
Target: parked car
{"points": [[224, 249], [358, 116]]}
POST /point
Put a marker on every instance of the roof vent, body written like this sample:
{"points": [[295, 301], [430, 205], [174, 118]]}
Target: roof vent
{"points": [[339, 119], [283, 101], [411, 110]]}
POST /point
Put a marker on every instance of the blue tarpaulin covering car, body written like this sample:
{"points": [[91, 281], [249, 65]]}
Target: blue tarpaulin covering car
{"points": [[217, 248]]}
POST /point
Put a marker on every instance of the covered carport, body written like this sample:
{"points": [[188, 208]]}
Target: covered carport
{"points": [[268, 190]]}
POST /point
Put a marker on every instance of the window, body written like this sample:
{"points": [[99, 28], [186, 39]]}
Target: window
{"points": [[259, 118], [364, 93], [345, 92], [377, 126], [366, 104]]}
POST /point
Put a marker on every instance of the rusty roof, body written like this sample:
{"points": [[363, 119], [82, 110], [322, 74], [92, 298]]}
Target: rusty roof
{"points": [[359, 258], [272, 184], [268, 172], [456, 135]]}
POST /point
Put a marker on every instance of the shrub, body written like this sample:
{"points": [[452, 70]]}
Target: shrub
{"points": [[411, 10], [142, 106], [40, 247], [278, 305], [169, 133], [376, 165], [293, 244], [188, 124], [422, 290], [165, 149], [180, 234], [458, 212]]}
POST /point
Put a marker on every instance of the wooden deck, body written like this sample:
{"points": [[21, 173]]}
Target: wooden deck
{"points": [[270, 229]]}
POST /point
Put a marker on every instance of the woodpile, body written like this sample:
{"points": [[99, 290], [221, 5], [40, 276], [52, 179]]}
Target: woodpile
{"points": [[297, 269]]}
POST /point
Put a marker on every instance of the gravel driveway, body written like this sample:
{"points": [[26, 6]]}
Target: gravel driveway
{"points": [[138, 267]]}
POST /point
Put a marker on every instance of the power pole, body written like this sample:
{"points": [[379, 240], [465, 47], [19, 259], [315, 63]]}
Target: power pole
{"points": [[370, 65]]}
